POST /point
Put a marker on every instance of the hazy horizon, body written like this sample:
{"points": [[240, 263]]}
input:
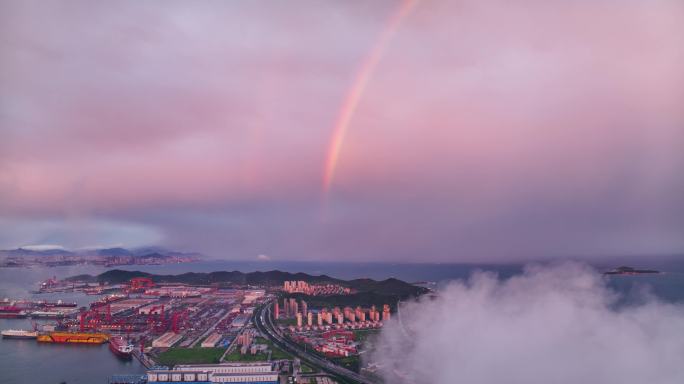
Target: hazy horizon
{"points": [[265, 260]]}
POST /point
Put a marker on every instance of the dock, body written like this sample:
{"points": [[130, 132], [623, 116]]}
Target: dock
{"points": [[144, 359]]}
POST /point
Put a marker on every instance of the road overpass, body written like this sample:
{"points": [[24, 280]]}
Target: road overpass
{"points": [[264, 323]]}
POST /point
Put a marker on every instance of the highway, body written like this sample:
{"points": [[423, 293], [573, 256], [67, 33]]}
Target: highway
{"points": [[264, 323]]}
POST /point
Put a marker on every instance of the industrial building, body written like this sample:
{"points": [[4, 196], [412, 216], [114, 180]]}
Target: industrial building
{"points": [[240, 321], [246, 373], [212, 340], [167, 340], [251, 295], [261, 367]]}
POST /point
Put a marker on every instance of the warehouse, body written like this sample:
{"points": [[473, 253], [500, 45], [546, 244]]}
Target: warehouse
{"points": [[167, 340], [256, 373], [211, 341]]}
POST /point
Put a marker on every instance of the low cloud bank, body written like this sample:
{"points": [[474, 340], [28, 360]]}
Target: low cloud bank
{"points": [[551, 324]]}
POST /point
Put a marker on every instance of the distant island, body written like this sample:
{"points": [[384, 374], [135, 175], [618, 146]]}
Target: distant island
{"points": [[630, 271], [362, 291], [108, 257]]}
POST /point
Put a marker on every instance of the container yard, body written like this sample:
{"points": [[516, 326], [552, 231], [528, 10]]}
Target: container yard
{"points": [[140, 319], [174, 325]]}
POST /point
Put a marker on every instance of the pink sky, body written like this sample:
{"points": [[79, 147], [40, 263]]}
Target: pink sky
{"points": [[488, 130]]}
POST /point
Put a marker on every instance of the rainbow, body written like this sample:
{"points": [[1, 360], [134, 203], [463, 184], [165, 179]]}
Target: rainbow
{"points": [[358, 86]]}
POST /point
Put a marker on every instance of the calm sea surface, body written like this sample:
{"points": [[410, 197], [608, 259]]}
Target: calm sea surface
{"points": [[25, 361]]}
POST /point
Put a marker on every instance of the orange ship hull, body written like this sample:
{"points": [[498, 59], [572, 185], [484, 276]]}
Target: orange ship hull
{"points": [[73, 337]]}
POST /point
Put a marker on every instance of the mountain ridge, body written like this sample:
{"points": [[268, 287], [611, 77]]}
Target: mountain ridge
{"points": [[273, 278], [104, 252]]}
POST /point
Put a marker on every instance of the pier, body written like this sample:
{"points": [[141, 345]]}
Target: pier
{"points": [[146, 361]]}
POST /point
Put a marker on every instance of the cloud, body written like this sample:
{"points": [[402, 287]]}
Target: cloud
{"points": [[553, 324], [75, 232], [490, 130], [264, 258]]}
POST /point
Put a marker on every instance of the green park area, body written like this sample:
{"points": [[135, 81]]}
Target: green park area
{"points": [[277, 353], [235, 355], [307, 369], [173, 356], [364, 335]]}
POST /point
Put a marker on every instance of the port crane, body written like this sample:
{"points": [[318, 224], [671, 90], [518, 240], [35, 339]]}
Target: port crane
{"points": [[139, 284], [91, 319], [156, 320], [178, 320]]}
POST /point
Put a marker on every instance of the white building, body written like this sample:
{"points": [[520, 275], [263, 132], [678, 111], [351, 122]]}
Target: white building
{"points": [[256, 373]]}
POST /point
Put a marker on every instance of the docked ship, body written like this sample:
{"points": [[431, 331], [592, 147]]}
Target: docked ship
{"points": [[121, 347], [11, 312], [73, 337], [93, 291], [18, 334], [107, 300], [48, 314], [59, 304]]}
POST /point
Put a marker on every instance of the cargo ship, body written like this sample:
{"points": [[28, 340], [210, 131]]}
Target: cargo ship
{"points": [[48, 314], [59, 304], [11, 312], [19, 334], [73, 337], [121, 347], [107, 300]]}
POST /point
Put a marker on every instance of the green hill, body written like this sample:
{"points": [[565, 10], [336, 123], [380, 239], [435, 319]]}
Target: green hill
{"points": [[366, 291]]}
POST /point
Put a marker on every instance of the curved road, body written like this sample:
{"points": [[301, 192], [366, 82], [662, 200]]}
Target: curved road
{"points": [[264, 323]]}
